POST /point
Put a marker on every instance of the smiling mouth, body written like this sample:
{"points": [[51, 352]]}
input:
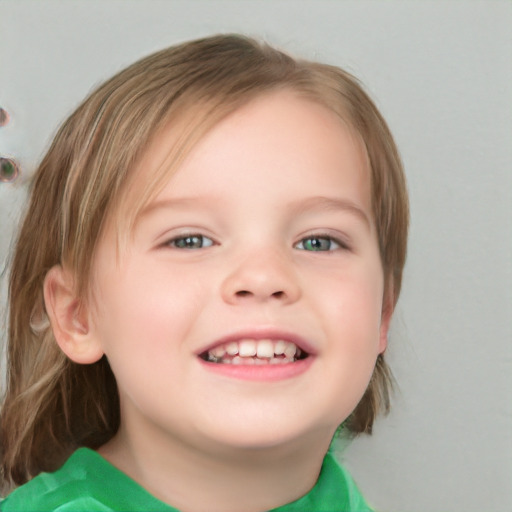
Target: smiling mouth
{"points": [[254, 352]]}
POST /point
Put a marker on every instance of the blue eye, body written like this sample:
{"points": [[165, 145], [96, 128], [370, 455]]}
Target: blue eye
{"points": [[318, 243], [191, 242]]}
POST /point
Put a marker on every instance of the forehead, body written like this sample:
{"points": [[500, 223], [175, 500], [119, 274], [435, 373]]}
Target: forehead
{"points": [[272, 128]]}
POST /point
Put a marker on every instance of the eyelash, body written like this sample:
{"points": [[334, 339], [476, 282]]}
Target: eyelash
{"points": [[194, 241], [338, 244], [187, 239]]}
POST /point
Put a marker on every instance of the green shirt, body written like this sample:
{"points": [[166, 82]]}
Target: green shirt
{"points": [[87, 482]]}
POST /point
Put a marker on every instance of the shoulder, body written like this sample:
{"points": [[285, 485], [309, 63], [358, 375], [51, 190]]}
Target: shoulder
{"points": [[85, 482], [338, 479], [334, 491], [65, 489]]}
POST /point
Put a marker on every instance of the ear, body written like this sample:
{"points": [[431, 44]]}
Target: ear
{"points": [[385, 320], [69, 318]]}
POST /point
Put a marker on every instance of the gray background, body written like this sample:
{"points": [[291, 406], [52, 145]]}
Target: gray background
{"points": [[440, 71]]}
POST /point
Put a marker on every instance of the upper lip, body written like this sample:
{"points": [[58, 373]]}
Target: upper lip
{"points": [[262, 333]]}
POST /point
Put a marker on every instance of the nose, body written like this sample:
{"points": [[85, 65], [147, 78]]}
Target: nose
{"points": [[261, 278]]}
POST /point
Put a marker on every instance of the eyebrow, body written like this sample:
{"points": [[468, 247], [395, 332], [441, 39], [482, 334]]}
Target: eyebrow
{"points": [[324, 203], [319, 203], [184, 202]]}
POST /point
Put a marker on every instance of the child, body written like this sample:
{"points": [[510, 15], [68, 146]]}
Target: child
{"points": [[202, 288]]}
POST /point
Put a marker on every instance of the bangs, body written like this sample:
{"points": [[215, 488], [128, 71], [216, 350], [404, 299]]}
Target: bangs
{"points": [[186, 123]]}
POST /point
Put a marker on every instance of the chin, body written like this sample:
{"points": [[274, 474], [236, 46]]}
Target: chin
{"points": [[270, 433]]}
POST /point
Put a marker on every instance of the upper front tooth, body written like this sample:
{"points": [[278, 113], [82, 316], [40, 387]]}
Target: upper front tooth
{"points": [[265, 348], [247, 348]]}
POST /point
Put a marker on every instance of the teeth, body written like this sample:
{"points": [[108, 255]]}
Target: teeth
{"points": [[250, 351], [247, 348], [232, 348], [279, 348], [290, 350], [265, 349], [218, 352]]}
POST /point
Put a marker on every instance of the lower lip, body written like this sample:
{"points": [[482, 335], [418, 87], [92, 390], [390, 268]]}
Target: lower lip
{"points": [[265, 372]]}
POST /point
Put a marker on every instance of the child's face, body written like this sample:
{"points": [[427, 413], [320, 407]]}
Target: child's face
{"points": [[264, 235]]}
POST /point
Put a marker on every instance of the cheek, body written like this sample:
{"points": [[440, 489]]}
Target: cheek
{"points": [[143, 306], [354, 299], [352, 312]]}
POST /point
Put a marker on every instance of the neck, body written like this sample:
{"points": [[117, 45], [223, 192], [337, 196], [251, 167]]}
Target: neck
{"points": [[222, 479]]}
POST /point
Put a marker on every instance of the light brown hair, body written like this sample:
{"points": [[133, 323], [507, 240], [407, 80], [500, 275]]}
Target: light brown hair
{"points": [[52, 405]]}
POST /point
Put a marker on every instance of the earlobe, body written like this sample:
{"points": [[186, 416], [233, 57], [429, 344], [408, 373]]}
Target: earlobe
{"points": [[385, 322], [69, 318], [384, 328]]}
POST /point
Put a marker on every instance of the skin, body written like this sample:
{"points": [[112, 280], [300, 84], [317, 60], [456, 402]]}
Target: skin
{"points": [[255, 189]]}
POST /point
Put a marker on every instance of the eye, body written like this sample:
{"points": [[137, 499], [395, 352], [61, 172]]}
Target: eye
{"points": [[190, 242], [319, 243]]}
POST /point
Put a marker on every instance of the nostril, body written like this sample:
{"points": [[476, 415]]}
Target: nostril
{"points": [[247, 293]]}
